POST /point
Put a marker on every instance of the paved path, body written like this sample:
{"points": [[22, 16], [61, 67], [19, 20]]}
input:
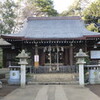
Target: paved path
{"points": [[52, 92]]}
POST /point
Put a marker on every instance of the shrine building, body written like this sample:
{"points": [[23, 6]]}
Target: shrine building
{"points": [[51, 41]]}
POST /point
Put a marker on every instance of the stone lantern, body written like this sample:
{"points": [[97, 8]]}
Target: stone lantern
{"points": [[23, 62], [81, 61]]}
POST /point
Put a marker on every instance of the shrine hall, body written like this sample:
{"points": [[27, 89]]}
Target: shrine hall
{"points": [[51, 42]]}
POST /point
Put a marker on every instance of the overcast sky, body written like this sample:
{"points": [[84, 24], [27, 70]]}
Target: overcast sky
{"points": [[61, 5]]}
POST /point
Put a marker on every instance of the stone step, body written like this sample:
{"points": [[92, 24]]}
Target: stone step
{"points": [[53, 83], [64, 78]]}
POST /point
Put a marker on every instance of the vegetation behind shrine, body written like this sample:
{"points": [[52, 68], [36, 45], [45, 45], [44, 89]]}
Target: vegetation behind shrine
{"points": [[13, 14]]}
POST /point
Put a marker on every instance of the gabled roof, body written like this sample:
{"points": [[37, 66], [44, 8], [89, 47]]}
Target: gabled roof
{"points": [[53, 28], [3, 42]]}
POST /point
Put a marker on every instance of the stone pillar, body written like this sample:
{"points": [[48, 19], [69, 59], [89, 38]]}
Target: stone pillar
{"points": [[81, 74], [23, 75]]}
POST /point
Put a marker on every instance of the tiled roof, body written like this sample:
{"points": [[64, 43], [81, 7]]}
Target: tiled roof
{"points": [[55, 18], [54, 27]]}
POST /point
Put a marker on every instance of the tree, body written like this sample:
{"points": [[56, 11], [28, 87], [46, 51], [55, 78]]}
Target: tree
{"points": [[92, 14], [8, 16], [76, 8], [91, 27], [47, 7], [39, 8]]}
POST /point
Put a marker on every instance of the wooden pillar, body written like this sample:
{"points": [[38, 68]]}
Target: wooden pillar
{"points": [[71, 55], [85, 46], [42, 57], [57, 58], [4, 58], [66, 57], [36, 49], [49, 49]]}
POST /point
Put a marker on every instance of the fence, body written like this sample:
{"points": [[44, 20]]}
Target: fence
{"points": [[60, 69]]}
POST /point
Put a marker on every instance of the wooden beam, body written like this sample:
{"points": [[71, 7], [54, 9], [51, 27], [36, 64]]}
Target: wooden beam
{"points": [[71, 55]]}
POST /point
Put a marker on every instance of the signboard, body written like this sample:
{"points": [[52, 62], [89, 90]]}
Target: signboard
{"points": [[95, 54]]}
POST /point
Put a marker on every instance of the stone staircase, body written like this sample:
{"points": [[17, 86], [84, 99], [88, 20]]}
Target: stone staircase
{"points": [[53, 78]]}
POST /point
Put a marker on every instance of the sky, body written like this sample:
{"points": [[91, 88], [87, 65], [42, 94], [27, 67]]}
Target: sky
{"points": [[61, 5]]}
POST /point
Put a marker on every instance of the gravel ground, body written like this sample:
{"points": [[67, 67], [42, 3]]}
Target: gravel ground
{"points": [[6, 89], [95, 89]]}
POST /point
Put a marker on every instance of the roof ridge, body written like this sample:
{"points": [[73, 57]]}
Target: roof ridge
{"points": [[55, 18]]}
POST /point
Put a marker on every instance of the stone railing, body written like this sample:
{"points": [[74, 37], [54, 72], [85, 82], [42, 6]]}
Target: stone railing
{"points": [[92, 74]]}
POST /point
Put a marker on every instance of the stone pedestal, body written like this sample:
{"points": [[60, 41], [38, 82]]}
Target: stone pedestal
{"points": [[14, 75]]}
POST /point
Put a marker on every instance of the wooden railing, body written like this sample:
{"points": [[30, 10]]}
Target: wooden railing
{"points": [[52, 69]]}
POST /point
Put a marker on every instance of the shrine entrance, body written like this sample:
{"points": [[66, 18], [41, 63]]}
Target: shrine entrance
{"points": [[54, 57]]}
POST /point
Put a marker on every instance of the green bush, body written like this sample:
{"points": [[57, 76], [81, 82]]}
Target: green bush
{"points": [[99, 21], [92, 27]]}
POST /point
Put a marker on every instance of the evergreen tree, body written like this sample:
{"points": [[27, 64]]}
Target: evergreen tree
{"points": [[39, 8], [76, 8], [92, 16], [92, 13], [47, 7]]}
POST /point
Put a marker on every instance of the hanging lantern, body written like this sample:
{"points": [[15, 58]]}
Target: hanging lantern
{"points": [[49, 48], [62, 49], [53, 49], [95, 46], [58, 49], [49, 56], [45, 48]]}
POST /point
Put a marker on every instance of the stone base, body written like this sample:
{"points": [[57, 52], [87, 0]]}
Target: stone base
{"points": [[14, 81]]}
